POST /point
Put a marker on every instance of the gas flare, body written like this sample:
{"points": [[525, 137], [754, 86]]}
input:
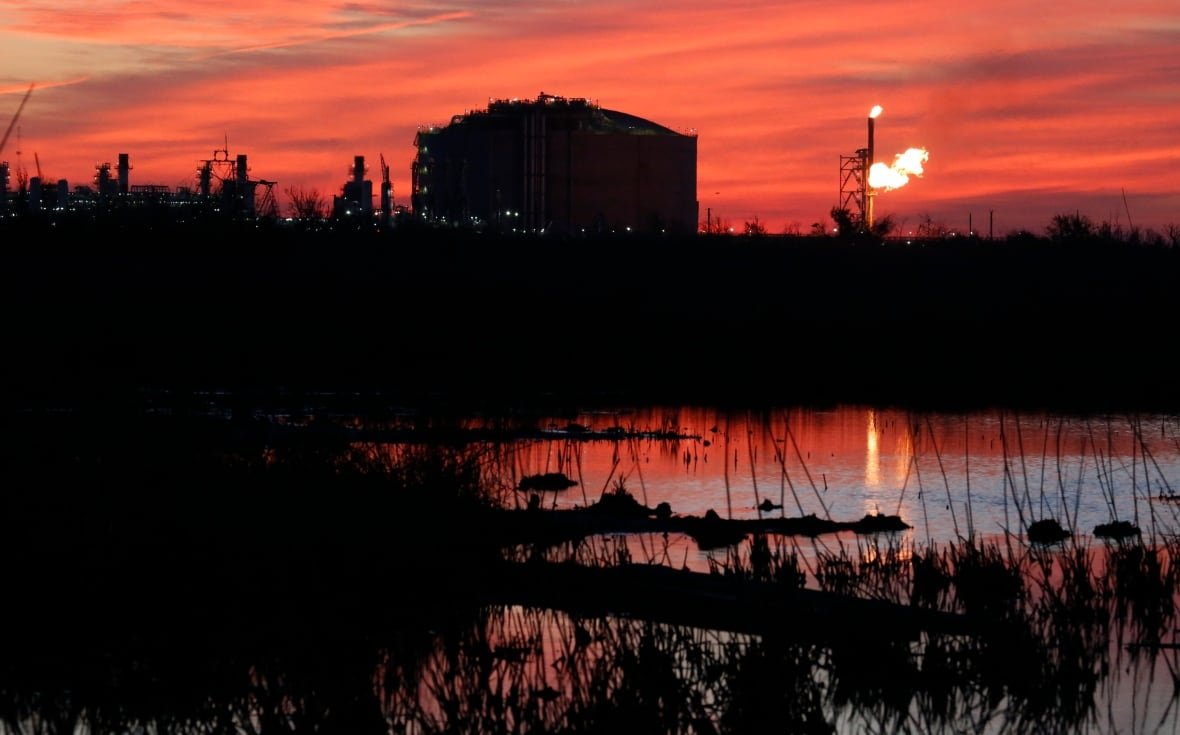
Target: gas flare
{"points": [[904, 166]]}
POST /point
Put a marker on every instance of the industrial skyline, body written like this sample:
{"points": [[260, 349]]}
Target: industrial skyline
{"points": [[1023, 118]]}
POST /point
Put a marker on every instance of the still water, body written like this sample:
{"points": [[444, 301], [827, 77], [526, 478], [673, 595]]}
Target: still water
{"points": [[283, 644], [949, 476], [983, 475]]}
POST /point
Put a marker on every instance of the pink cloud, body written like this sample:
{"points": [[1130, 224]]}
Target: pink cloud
{"points": [[1077, 111]]}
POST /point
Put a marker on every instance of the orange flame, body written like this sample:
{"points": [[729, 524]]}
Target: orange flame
{"points": [[875, 111], [904, 166]]}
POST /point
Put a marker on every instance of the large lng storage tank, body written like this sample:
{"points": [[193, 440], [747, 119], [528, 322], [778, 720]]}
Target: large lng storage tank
{"points": [[556, 165]]}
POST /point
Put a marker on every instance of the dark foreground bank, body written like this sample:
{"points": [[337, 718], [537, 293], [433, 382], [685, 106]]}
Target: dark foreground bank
{"points": [[457, 317]]}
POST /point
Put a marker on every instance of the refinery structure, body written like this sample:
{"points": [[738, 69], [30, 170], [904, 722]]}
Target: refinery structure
{"points": [[548, 165], [222, 186], [863, 177], [556, 164]]}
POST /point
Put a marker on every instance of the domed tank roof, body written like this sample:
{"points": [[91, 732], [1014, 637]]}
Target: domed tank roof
{"points": [[622, 122]]}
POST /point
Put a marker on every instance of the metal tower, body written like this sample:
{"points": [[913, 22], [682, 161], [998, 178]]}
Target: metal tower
{"points": [[854, 185]]}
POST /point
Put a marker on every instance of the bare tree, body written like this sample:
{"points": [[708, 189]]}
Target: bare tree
{"points": [[1172, 230], [715, 225], [755, 228], [884, 226], [307, 203], [928, 227], [1070, 228]]}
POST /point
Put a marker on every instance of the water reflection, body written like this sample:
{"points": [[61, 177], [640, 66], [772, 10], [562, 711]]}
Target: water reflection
{"points": [[1055, 643], [350, 585], [872, 454], [950, 476], [1046, 653]]}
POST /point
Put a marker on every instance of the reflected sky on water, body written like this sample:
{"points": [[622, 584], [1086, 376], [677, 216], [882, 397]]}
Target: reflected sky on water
{"points": [[326, 658], [944, 474]]}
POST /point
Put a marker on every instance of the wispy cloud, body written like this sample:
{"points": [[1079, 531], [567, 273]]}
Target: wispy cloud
{"points": [[367, 29], [1005, 102]]}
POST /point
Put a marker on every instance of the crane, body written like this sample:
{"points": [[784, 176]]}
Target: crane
{"points": [[269, 208], [15, 117]]}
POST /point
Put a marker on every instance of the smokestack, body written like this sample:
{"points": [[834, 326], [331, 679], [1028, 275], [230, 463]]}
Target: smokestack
{"points": [[205, 179], [358, 169], [241, 169], [124, 168], [872, 121], [35, 193], [868, 188], [869, 157]]}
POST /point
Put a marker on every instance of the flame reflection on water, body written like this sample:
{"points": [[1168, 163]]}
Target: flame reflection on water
{"points": [[947, 475]]}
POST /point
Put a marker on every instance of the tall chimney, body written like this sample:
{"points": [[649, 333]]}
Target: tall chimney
{"points": [[358, 169], [872, 121], [124, 168], [205, 179], [869, 157]]}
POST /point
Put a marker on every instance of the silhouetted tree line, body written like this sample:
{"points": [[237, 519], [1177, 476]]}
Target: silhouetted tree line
{"points": [[309, 208], [1062, 228], [427, 311]]}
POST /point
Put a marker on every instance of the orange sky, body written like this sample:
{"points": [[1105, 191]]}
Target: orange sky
{"points": [[1027, 109]]}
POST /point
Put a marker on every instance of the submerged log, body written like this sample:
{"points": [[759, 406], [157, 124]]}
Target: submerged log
{"points": [[617, 513], [546, 481], [715, 601]]}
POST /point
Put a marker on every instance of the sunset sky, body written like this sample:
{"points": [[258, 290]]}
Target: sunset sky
{"points": [[1027, 109]]}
